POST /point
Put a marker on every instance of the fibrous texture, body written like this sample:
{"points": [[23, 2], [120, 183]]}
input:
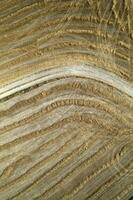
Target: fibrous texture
{"points": [[66, 99]]}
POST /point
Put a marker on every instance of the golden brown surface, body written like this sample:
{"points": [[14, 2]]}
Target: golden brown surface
{"points": [[66, 99]]}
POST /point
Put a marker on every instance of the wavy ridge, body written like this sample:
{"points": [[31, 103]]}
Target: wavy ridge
{"points": [[66, 100]]}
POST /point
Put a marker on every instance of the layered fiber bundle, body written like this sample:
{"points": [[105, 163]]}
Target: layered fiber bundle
{"points": [[66, 99]]}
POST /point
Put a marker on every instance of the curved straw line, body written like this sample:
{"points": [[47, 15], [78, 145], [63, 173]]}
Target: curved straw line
{"points": [[82, 71]]}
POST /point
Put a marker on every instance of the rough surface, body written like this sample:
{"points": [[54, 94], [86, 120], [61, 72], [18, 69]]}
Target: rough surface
{"points": [[66, 99]]}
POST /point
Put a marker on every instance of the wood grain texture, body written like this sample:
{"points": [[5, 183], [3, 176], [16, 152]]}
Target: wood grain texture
{"points": [[66, 99]]}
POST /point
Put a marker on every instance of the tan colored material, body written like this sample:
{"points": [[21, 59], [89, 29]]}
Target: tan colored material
{"points": [[66, 99]]}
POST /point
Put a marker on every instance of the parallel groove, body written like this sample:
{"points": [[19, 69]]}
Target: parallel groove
{"points": [[60, 103], [66, 100], [91, 176]]}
